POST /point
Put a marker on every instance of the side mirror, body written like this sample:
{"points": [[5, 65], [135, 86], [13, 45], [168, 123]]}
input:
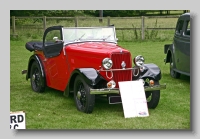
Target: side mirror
{"points": [[55, 39]]}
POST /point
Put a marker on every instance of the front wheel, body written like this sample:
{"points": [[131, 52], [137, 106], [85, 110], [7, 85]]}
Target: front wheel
{"points": [[83, 99], [153, 97]]}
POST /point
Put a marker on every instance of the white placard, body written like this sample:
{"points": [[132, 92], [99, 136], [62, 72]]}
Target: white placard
{"points": [[133, 99], [17, 120]]}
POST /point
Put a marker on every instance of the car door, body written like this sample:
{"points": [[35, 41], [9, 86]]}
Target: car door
{"points": [[184, 55], [51, 47], [55, 58], [182, 46]]}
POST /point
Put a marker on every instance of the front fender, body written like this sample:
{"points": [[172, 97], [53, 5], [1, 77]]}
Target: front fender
{"points": [[91, 77], [151, 71], [168, 50], [31, 60]]}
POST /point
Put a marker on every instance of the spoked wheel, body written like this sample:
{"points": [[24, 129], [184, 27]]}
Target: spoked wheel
{"points": [[173, 73], [153, 97], [37, 81], [83, 99]]}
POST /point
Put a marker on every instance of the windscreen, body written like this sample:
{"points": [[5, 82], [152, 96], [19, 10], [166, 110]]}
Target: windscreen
{"points": [[76, 34]]}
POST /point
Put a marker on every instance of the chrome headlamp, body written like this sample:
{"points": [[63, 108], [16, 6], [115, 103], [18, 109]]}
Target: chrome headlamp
{"points": [[107, 63], [139, 61]]}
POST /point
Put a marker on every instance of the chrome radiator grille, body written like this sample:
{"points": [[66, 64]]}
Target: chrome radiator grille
{"points": [[122, 75]]}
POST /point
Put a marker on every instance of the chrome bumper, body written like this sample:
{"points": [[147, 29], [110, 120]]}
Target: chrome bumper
{"points": [[116, 90]]}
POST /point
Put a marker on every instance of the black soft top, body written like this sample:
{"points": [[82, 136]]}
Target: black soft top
{"points": [[32, 46]]}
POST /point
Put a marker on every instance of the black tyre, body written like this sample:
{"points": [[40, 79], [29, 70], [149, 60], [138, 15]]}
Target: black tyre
{"points": [[36, 78], [173, 73], [153, 97], [83, 99]]}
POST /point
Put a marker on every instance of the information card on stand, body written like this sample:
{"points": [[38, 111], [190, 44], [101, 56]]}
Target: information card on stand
{"points": [[133, 99]]}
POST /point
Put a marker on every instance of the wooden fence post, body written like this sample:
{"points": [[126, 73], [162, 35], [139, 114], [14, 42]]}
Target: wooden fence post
{"points": [[76, 21], [100, 16], [143, 28], [108, 20], [44, 22], [13, 24]]}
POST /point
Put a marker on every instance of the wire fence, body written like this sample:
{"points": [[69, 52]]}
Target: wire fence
{"points": [[145, 25]]}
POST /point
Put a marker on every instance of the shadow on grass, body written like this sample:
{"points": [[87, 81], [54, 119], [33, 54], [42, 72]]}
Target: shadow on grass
{"points": [[183, 78], [101, 102]]}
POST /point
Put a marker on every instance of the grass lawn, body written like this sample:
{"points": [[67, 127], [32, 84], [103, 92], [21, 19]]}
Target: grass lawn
{"points": [[51, 110]]}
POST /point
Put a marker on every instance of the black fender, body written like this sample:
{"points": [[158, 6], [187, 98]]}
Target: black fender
{"points": [[38, 60], [151, 71], [169, 51], [91, 77]]}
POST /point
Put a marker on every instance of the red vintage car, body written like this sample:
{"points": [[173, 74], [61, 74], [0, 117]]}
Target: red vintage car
{"points": [[86, 62]]}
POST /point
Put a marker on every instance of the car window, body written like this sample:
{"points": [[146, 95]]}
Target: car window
{"points": [[179, 26], [52, 36]]}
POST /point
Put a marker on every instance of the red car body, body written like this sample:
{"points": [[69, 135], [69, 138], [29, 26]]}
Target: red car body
{"points": [[59, 68]]}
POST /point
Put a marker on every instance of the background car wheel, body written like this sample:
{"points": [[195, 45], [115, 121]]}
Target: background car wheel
{"points": [[173, 73], [36, 79], [153, 97], [83, 99]]}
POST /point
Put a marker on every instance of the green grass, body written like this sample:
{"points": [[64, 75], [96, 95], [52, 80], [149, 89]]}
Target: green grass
{"points": [[51, 110]]}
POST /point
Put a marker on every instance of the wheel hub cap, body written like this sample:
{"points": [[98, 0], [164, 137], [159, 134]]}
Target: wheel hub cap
{"points": [[33, 77], [79, 95]]}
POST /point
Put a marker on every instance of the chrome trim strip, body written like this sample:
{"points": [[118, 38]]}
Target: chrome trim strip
{"points": [[40, 65], [116, 90], [83, 41], [155, 87], [104, 91], [117, 69]]}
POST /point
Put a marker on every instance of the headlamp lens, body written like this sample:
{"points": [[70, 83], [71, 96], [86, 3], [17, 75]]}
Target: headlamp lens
{"points": [[107, 63], [139, 60]]}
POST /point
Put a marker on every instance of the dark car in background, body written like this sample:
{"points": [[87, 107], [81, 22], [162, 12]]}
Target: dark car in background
{"points": [[178, 53]]}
